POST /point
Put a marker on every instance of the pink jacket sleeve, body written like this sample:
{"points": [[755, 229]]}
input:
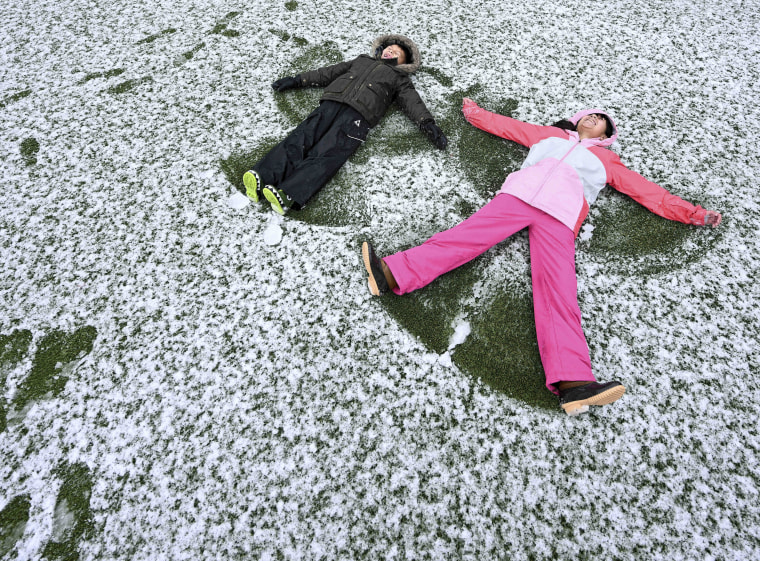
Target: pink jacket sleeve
{"points": [[506, 127], [657, 199]]}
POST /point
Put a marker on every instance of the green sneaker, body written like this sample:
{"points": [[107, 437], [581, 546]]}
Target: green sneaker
{"points": [[252, 183], [278, 198]]}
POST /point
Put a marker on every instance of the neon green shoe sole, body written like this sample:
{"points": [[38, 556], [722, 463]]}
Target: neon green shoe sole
{"points": [[275, 198], [251, 181]]}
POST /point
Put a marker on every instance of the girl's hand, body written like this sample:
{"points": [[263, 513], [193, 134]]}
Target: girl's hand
{"points": [[712, 218], [469, 107]]}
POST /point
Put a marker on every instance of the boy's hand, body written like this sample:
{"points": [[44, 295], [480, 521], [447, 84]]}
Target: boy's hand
{"points": [[286, 83], [435, 134]]}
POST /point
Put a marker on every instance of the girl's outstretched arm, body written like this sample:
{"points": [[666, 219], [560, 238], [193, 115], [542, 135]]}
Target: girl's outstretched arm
{"points": [[657, 199], [506, 127]]}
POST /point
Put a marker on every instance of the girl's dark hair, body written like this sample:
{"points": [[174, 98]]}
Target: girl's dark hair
{"points": [[564, 124], [568, 126]]}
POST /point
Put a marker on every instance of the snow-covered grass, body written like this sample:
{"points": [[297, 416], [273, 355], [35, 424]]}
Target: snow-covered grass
{"points": [[186, 380]]}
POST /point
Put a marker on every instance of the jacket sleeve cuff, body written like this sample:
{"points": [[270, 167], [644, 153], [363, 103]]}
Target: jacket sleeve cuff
{"points": [[698, 216]]}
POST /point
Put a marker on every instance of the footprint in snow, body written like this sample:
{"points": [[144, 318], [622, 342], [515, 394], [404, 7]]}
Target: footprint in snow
{"points": [[56, 358], [72, 517], [13, 519]]}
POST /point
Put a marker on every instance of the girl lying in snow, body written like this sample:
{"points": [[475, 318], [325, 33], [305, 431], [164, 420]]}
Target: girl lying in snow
{"points": [[566, 168]]}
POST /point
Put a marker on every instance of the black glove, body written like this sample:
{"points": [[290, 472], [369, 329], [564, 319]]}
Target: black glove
{"points": [[435, 134], [286, 83]]}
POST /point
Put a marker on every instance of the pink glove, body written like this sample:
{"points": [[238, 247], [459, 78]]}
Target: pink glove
{"points": [[469, 108]]}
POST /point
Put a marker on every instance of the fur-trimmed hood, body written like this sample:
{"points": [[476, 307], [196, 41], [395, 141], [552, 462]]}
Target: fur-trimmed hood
{"points": [[384, 40]]}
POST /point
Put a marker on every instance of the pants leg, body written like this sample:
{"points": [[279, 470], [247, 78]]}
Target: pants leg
{"points": [[279, 162], [561, 342], [496, 221], [314, 151]]}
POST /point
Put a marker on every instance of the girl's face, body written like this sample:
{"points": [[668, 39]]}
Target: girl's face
{"points": [[394, 51], [592, 126]]}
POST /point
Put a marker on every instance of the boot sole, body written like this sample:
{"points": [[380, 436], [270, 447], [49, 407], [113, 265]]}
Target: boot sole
{"points": [[272, 198], [604, 398], [251, 186], [372, 283]]}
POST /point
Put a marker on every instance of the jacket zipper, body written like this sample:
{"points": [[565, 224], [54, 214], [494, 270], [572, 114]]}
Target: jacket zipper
{"points": [[360, 81]]}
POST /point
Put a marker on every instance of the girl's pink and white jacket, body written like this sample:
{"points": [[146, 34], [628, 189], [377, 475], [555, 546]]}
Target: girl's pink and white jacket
{"points": [[563, 175]]}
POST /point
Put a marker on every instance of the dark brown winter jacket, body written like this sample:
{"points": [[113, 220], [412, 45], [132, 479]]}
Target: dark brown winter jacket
{"points": [[370, 84]]}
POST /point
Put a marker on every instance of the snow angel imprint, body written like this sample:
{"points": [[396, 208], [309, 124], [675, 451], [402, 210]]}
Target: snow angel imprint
{"points": [[357, 95], [566, 168]]}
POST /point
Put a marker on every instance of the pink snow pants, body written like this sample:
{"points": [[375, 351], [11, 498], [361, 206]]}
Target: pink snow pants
{"points": [[561, 342]]}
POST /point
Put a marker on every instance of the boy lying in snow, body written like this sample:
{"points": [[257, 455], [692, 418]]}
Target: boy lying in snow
{"points": [[357, 95]]}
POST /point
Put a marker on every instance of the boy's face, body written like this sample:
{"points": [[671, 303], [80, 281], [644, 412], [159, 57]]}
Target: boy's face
{"points": [[394, 51]]}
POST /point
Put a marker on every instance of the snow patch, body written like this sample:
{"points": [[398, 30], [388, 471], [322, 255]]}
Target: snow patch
{"points": [[273, 231], [586, 232], [238, 201], [461, 331]]}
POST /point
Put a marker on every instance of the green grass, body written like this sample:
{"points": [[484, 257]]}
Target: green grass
{"points": [[221, 27], [105, 74], [29, 148], [151, 38], [46, 379], [629, 237], [129, 85], [503, 351], [191, 53], [13, 348], [14, 97]]}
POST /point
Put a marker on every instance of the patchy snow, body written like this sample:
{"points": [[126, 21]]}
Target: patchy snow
{"points": [[587, 230], [247, 398], [461, 331]]}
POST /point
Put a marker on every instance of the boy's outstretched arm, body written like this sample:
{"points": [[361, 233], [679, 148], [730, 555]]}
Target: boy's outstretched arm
{"points": [[411, 104]]}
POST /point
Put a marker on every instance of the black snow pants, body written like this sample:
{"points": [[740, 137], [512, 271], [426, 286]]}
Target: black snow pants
{"points": [[314, 151]]}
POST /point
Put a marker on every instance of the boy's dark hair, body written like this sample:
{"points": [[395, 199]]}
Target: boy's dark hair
{"points": [[568, 126], [407, 54]]}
